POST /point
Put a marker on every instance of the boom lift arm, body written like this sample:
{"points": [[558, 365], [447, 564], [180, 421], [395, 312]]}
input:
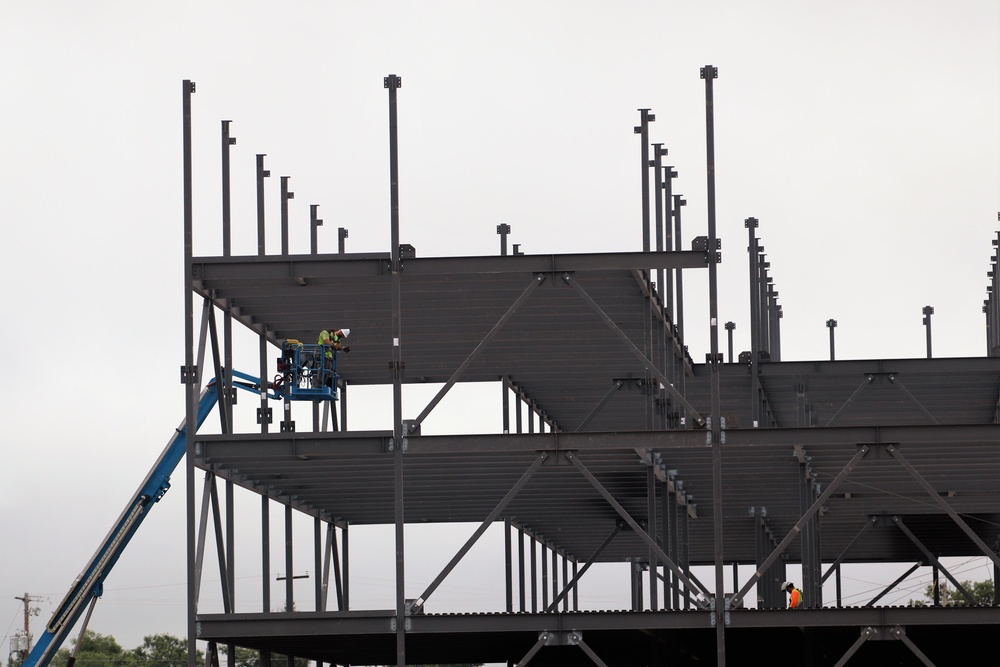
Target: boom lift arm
{"points": [[90, 583], [305, 373]]}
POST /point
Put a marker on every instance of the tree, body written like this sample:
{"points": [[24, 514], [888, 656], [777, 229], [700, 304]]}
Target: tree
{"points": [[981, 591], [96, 650], [163, 650]]}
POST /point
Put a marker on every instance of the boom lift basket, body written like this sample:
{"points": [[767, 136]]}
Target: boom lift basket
{"points": [[306, 372]]}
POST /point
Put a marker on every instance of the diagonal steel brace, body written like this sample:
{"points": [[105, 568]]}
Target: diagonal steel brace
{"points": [[660, 553], [896, 454], [797, 528], [650, 367], [419, 602], [536, 281], [586, 566], [932, 559]]}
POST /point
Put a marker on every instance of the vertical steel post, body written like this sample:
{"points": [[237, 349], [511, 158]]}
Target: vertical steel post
{"points": [[545, 575], [772, 314], [555, 574], [658, 152], [665, 531], [534, 575], [709, 74], [285, 196], [289, 575], [314, 224], [576, 589], [345, 565], [565, 573], [645, 118], [318, 552], [188, 373], [651, 532], [674, 536], [341, 239], [226, 394], [764, 338], [508, 565], [520, 569], [227, 141], [265, 551], [730, 327], [392, 83], [928, 311], [679, 202], [505, 403], [503, 229], [831, 325], [751, 224], [668, 235], [261, 175]]}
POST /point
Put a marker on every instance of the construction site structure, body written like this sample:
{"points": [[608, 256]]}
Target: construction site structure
{"points": [[710, 484]]}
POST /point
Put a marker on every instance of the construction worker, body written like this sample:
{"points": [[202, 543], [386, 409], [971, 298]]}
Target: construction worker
{"points": [[795, 595], [334, 337], [331, 339]]}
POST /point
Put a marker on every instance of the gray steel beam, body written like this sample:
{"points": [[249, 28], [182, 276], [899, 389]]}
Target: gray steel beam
{"points": [[310, 445], [300, 269]]}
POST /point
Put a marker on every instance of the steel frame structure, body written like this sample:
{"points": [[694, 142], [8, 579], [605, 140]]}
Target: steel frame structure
{"points": [[623, 450]]}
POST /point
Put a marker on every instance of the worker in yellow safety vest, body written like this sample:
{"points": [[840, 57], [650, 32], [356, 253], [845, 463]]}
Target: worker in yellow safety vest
{"points": [[795, 595], [331, 339]]}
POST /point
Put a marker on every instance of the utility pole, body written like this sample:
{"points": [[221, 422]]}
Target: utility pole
{"points": [[23, 646]]}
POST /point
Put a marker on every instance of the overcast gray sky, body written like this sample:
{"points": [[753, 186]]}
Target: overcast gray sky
{"points": [[864, 135]]}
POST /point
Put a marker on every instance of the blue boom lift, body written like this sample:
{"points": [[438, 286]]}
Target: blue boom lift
{"points": [[305, 373]]}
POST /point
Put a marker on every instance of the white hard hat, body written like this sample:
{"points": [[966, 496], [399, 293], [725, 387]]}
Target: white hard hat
{"points": [[346, 332], [785, 584]]}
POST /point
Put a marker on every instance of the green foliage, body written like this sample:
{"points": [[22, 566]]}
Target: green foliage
{"points": [[163, 651], [981, 591], [97, 650]]}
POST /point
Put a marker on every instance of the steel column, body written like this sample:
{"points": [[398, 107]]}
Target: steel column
{"points": [[645, 118], [392, 83], [188, 373], [709, 74], [285, 196], [261, 175]]}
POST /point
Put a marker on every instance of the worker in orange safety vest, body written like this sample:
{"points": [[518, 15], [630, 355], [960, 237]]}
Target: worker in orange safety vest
{"points": [[795, 595]]}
